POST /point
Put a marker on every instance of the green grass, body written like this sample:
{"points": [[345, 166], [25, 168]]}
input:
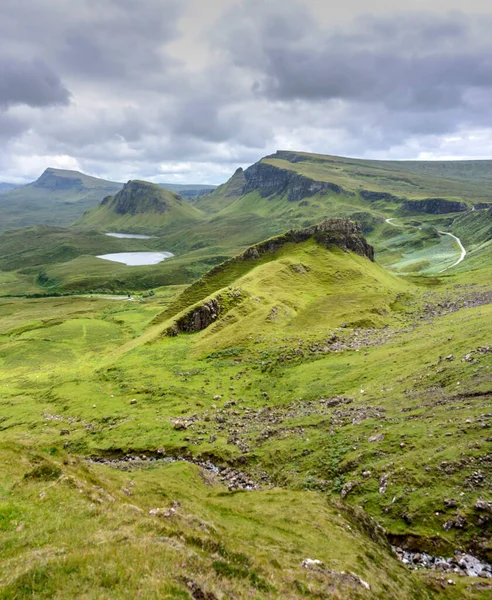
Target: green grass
{"points": [[140, 207], [325, 377], [57, 198]]}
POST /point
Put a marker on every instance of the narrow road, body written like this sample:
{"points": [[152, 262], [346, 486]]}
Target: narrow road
{"points": [[462, 248]]}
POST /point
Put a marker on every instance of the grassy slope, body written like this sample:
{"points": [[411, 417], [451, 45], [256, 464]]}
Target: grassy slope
{"points": [[146, 215], [234, 222], [61, 367], [467, 180], [57, 198]]}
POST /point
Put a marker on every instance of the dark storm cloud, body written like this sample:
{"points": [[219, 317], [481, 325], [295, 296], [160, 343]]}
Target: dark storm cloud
{"points": [[30, 82]]}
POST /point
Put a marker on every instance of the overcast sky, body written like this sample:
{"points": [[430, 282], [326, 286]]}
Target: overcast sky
{"points": [[188, 90]]}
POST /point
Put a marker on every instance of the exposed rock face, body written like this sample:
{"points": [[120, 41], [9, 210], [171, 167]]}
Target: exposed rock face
{"points": [[268, 180], [198, 318], [482, 206], [434, 206], [375, 196], [343, 233], [138, 197]]}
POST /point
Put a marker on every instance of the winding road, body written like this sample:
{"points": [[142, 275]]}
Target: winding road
{"points": [[462, 248]]}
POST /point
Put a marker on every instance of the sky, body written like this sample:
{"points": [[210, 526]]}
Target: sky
{"points": [[189, 90]]}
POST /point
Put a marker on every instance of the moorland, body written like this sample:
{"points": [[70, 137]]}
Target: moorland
{"points": [[296, 404]]}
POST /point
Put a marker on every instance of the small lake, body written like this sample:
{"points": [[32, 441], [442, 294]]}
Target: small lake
{"points": [[136, 259], [131, 236]]}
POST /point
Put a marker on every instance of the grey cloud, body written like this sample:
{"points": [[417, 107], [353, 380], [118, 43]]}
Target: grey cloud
{"points": [[401, 61], [270, 75], [117, 42], [11, 126], [30, 82]]}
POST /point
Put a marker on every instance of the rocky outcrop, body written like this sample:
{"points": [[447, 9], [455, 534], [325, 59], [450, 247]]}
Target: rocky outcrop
{"points": [[139, 197], [270, 180], [198, 318], [482, 206], [343, 233], [371, 196], [434, 206]]}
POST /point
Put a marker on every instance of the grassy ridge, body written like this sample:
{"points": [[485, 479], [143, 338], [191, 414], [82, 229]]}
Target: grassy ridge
{"points": [[330, 380]]}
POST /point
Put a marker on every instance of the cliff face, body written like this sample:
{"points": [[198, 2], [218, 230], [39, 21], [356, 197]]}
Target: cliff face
{"points": [[269, 180], [139, 197], [235, 186], [482, 206], [434, 206]]}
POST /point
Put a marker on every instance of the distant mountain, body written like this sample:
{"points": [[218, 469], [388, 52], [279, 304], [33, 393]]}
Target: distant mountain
{"points": [[188, 191], [140, 206], [58, 197], [7, 187], [298, 176]]}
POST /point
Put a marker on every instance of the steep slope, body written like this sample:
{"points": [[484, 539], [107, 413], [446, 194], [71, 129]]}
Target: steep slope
{"points": [[297, 176], [467, 180], [224, 194], [140, 206], [58, 197], [287, 283]]}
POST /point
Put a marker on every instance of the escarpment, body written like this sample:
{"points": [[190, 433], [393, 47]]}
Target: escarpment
{"points": [[269, 180], [371, 196], [434, 206], [198, 318]]}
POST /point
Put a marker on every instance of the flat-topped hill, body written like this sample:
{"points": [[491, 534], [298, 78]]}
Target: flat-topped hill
{"points": [[57, 198]]}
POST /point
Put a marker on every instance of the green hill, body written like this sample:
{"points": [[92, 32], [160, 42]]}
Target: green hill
{"points": [[268, 432], [57, 198], [287, 190], [297, 177], [140, 207], [295, 190]]}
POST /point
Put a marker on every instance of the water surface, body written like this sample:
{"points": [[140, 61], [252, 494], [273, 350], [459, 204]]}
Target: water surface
{"points": [[131, 236], [135, 259]]}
